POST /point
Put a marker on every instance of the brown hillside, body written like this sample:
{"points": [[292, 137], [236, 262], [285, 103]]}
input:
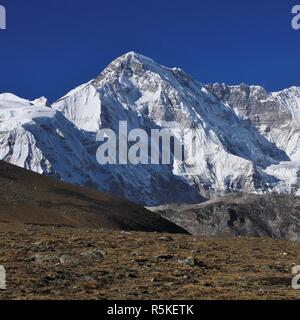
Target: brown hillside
{"points": [[30, 198]]}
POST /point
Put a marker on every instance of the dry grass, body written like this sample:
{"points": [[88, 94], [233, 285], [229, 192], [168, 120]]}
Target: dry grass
{"points": [[66, 263]]}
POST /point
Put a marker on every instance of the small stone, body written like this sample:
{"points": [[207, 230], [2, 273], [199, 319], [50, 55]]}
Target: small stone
{"points": [[131, 275], [36, 244], [66, 259], [165, 257], [192, 262], [207, 284], [93, 254], [166, 239], [45, 258], [125, 232], [140, 262], [85, 244]]}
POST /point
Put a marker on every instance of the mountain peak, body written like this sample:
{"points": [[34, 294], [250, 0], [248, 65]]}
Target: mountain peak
{"points": [[248, 139], [130, 63], [132, 55]]}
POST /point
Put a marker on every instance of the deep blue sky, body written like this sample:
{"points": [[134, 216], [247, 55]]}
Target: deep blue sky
{"points": [[52, 46]]}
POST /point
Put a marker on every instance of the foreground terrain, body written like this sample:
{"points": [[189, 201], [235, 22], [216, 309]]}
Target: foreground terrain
{"points": [[69, 263], [60, 241]]}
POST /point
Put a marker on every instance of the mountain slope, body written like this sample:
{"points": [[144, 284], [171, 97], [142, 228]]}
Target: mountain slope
{"points": [[277, 117], [43, 140], [30, 198], [275, 216], [247, 139], [147, 95]]}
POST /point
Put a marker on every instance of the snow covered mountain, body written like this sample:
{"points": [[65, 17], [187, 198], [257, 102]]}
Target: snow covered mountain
{"points": [[249, 138], [38, 138], [277, 117], [42, 139]]}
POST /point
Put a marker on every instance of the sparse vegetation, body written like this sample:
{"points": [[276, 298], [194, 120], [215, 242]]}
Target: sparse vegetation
{"points": [[68, 263]]}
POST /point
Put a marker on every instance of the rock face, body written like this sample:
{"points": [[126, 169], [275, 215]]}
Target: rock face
{"points": [[248, 138], [275, 216]]}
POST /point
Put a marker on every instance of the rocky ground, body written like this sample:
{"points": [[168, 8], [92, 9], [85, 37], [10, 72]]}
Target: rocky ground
{"points": [[68, 263], [239, 214]]}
